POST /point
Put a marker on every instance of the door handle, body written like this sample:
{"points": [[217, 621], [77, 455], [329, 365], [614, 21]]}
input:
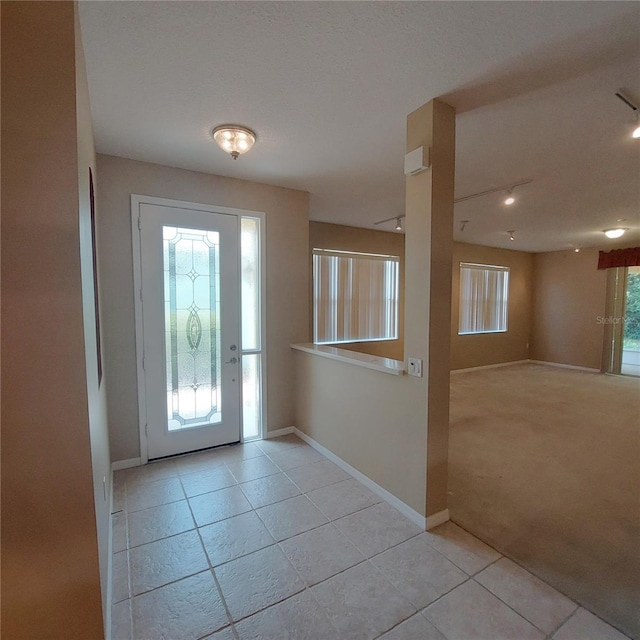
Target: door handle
{"points": [[232, 361]]}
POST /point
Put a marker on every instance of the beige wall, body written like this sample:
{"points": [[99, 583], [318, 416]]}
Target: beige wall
{"points": [[372, 420], [287, 227], [492, 348], [50, 570], [97, 394], [569, 295], [335, 236]]}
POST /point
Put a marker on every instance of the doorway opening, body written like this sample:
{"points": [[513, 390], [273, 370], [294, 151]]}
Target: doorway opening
{"points": [[630, 365]]}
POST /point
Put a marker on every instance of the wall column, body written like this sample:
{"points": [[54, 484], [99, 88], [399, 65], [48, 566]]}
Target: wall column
{"points": [[428, 256]]}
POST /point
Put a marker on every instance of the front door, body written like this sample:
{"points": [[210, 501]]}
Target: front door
{"points": [[190, 310]]}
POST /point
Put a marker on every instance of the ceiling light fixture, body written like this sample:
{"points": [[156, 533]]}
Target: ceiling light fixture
{"points": [[635, 133], [511, 235], [234, 139], [398, 224], [508, 188], [614, 233]]}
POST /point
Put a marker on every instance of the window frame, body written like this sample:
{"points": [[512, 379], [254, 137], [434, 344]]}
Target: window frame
{"points": [[395, 312], [485, 301]]}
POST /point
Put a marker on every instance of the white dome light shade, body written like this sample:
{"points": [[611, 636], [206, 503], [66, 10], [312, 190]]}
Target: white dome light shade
{"points": [[233, 139], [509, 200], [614, 233]]}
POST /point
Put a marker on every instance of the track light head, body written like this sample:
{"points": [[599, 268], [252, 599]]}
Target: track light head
{"points": [[509, 200], [399, 224], [511, 235]]}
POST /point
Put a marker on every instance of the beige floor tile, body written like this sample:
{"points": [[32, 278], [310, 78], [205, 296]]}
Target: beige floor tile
{"points": [[253, 468], [264, 491], [533, 599], [320, 553], [149, 472], [218, 505], [375, 529], [419, 572], [284, 443], [207, 480], [121, 620], [159, 522], [361, 603], [143, 496], [234, 537], [297, 618], [290, 517], [120, 589], [238, 452], [470, 612], [185, 610], [463, 549], [415, 628], [316, 475], [341, 499], [295, 457], [585, 626], [119, 496], [256, 581], [202, 461], [163, 561], [119, 531]]}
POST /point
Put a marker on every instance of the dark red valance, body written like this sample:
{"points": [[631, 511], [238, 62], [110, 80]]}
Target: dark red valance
{"points": [[619, 258]]}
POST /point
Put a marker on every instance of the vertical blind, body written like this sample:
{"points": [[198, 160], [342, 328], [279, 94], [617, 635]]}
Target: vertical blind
{"points": [[355, 296], [484, 298]]}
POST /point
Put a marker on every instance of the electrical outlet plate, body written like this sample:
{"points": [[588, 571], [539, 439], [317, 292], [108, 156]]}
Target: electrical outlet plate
{"points": [[415, 367]]}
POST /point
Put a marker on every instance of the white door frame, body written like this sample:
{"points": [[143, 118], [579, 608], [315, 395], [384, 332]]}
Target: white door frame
{"points": [[136, 202]]}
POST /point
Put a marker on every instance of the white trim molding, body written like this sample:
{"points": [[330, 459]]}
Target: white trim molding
{"points": [[564, 366], [278, 433], [437, 519], [490, 366], [395, 502], [118, 465]]}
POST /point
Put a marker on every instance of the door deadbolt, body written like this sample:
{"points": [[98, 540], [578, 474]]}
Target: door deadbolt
{"points": [[233, 347], [232, 361]]}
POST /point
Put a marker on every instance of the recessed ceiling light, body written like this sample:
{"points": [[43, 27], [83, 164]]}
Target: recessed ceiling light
{"points": [[233, 139], [614, 233]]}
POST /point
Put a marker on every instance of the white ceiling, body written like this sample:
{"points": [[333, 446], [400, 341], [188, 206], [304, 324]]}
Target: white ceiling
{"points": [[327, 87]]}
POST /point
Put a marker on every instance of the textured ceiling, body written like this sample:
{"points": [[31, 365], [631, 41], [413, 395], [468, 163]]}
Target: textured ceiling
{"points": [[327, 87]]}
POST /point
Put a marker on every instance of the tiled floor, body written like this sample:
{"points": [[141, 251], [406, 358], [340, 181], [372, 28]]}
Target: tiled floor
{"points": [[271, 541]]}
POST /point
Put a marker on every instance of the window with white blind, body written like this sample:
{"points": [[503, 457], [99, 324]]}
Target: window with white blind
{"points": [[484, 298], [355, 296]]}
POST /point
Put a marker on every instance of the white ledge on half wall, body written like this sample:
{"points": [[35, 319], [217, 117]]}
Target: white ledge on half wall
{"points": [[386, 365]]}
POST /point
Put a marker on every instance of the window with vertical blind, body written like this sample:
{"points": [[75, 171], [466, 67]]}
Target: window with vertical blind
{"points": [[484, 298], [355, 296]]}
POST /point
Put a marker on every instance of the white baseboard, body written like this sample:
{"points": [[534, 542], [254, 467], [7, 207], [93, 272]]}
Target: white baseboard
{"points": [[125, 464], [489, 366], [403, 508], [279, 432], [565, 366], [437, 519]]}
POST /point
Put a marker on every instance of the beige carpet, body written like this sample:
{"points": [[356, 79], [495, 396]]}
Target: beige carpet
{"points": [[544, 465]]}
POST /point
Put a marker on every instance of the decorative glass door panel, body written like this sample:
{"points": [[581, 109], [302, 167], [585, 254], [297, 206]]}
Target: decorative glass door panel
{"points": [[190, 278], [192, 307]]}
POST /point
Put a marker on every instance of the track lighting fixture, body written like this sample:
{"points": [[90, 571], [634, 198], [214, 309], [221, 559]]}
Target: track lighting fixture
{"points": [[507, 189], [632, 104], [511, 235], [398, 221]]}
